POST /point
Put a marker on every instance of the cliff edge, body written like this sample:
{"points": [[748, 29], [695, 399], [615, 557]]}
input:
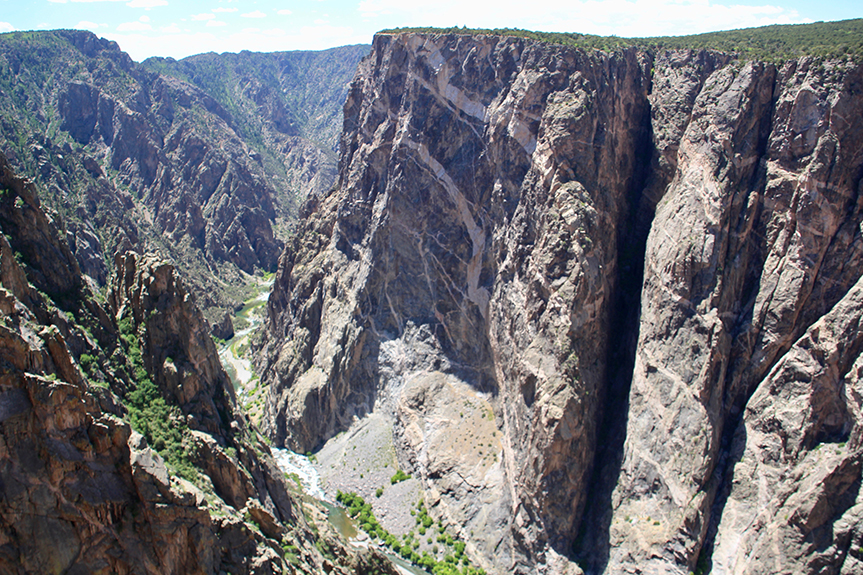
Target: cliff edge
{"points": [[642, 266]]}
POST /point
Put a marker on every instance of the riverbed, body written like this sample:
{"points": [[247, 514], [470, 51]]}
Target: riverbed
{"points": [[234, 355]]}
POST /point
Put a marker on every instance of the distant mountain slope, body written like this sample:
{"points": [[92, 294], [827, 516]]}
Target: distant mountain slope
{"points": [[131, 158], [286, 105]]}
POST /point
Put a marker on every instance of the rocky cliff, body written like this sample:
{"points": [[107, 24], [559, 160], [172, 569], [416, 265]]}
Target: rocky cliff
{"points": [[121, 448], [629, 276], [287, 106], [131, 158]]}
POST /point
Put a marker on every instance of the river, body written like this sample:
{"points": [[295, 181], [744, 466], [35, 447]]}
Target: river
{"points": [[235, 359]]}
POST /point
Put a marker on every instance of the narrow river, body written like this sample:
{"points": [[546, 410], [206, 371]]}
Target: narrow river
{"points": [[234, 355]]}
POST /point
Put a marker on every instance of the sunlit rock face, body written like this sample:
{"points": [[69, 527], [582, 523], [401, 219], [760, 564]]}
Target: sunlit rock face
{"points": [[84, 492], [572, 280]]}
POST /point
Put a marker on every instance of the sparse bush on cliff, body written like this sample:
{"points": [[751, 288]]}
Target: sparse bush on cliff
{"points": [[768, 43]]}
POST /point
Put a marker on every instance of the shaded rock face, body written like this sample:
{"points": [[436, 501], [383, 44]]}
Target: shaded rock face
{"points": [[625, 255], [181, 355], [83, 492]]}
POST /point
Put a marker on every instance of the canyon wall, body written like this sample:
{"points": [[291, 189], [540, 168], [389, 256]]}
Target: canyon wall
{"points": [[140, 156], [122, 449], [637, 269]]}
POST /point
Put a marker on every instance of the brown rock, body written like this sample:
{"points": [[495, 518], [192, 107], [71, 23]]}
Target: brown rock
{"points": [[82, 492]]}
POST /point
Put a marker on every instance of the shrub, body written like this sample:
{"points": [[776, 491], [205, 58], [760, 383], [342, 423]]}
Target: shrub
{"points": [[87, 362], [399, 476]]}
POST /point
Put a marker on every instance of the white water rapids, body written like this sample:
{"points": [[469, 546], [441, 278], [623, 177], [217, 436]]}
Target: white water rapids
{"points": [[242, 375], [291, 462]]}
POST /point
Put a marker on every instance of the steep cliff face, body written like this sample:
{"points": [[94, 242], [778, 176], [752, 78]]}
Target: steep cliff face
{"points": [[498, 200], [472, 246], [132, 158], [192, 491], [728, 391]]}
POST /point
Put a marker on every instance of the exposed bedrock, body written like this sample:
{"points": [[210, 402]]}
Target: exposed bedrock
{"points": [[82, 492], [501, 205]]}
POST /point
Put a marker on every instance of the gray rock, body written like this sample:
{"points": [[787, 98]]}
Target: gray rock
{"points": [[497, 201]]}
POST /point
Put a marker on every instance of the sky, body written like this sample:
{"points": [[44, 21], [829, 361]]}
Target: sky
{"points": [[176, 28]]}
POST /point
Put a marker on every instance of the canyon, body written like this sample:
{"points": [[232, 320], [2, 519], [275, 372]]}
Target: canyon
{"points": [[585, 311], [629, 277], [139, 156]]}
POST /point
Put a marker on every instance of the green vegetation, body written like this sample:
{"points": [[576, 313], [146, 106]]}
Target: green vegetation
{"points": [[408, 547], [150, 415], [399, 476], [768, 43], [292, 553], [87, 362]]}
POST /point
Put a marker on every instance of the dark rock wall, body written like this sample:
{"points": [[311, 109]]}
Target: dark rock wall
{"points": [[82, 492], [500, 204]]}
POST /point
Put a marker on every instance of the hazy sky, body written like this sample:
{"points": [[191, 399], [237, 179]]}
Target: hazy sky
{"points": [[178, 28]]}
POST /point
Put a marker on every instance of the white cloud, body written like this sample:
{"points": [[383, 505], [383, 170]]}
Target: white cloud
{"points": [[215, 23], [202, 17], [144, 18], [225, 9], [86, 1], [86, 25], [172, 28], [284, 12], [255, 14], [6, 27], [140, 46], [133, 27], [147, 4]]}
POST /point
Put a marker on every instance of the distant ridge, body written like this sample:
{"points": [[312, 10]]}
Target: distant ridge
{"points": [[768, 43]]}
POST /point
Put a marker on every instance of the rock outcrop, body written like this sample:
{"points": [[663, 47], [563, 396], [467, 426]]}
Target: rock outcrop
{"points": [[177, 345], [500, 204], [85, 493], [137, 159]]}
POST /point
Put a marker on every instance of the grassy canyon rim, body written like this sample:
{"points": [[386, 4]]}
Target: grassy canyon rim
{"points": [[147, 28], [774, 42]]}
